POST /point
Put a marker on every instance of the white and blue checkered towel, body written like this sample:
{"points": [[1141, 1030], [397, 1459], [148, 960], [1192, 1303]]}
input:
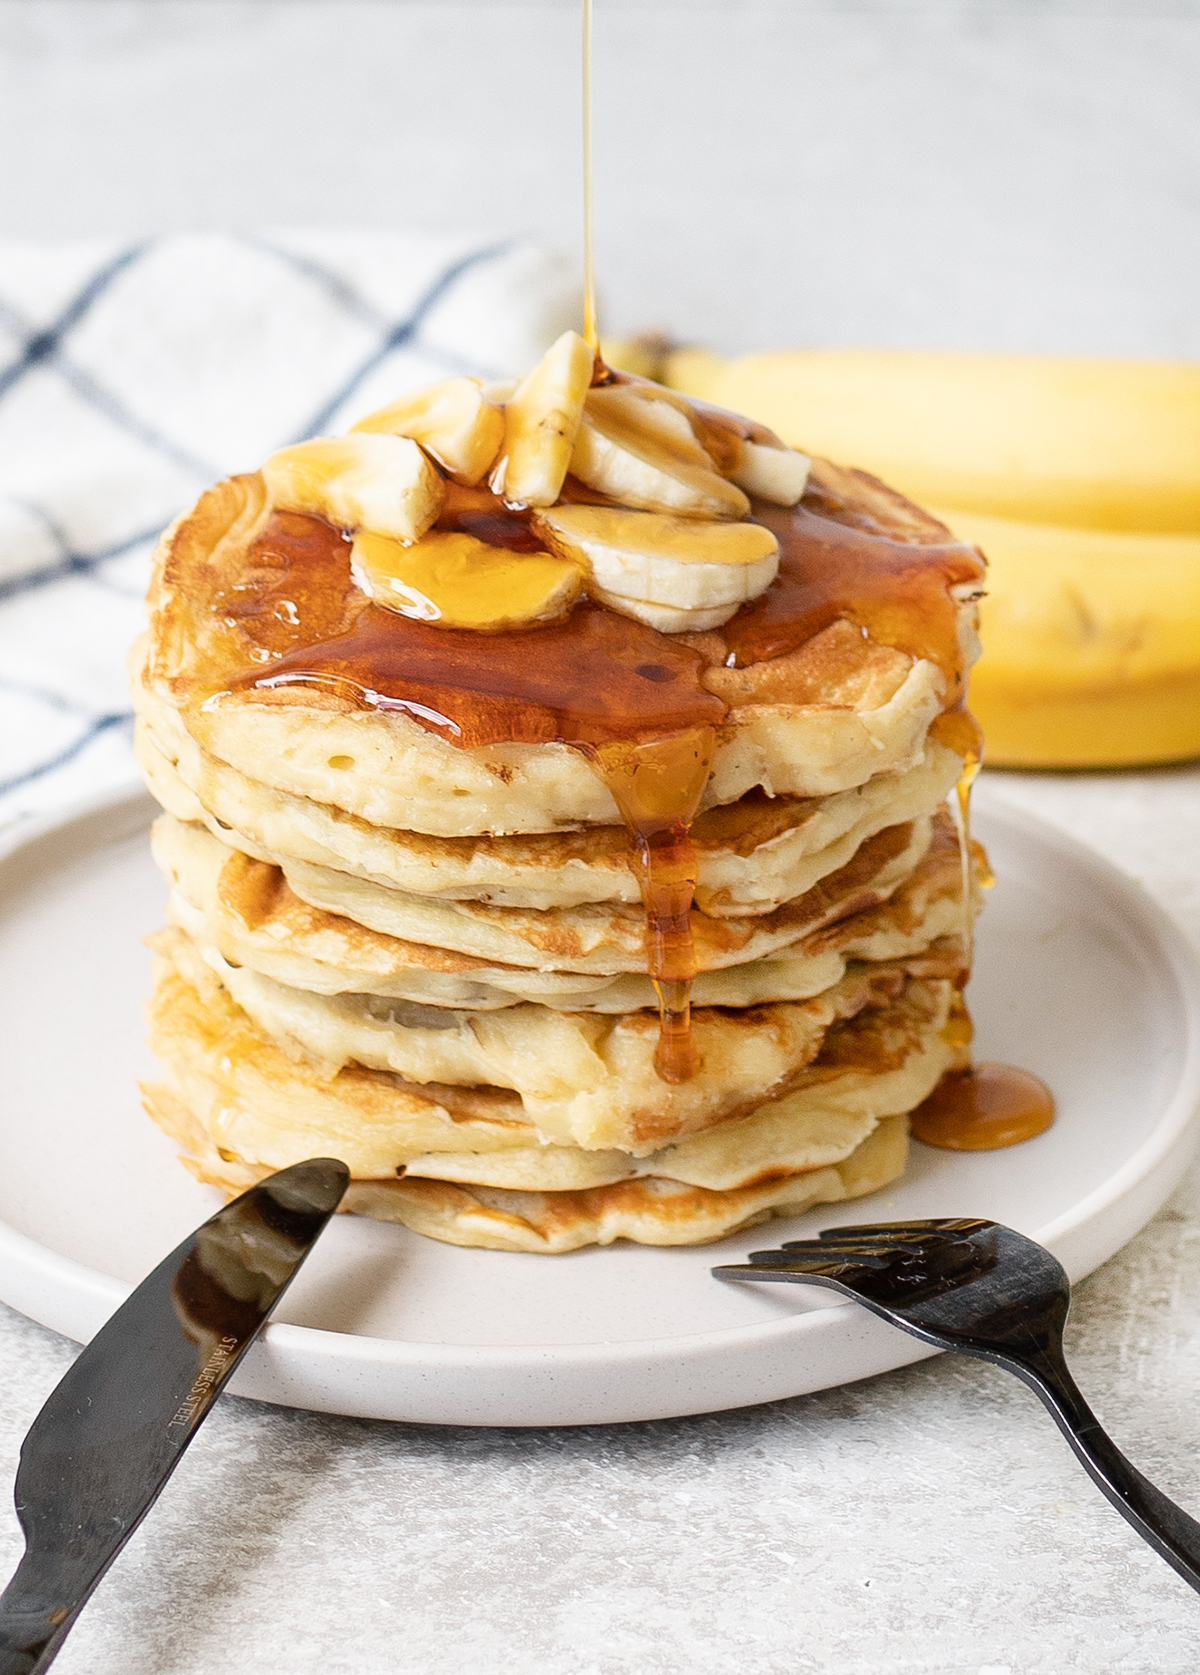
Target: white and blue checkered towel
{"points": [[133, 377]]}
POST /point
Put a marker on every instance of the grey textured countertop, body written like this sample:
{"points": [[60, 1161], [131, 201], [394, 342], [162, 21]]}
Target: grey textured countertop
{"points": [[929, 1521]]}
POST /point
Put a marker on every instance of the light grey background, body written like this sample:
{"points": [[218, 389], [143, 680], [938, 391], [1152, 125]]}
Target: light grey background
{"points": [[1020, 176]]}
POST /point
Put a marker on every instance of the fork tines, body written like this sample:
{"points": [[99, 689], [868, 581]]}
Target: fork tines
{"points": [[871, 1243], [881, 1245], [813, 1255], [962, 1225]]}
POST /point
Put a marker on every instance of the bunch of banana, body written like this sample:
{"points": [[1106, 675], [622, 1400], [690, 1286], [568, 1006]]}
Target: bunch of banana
{"points": [[1080, 480], [669, 543]]}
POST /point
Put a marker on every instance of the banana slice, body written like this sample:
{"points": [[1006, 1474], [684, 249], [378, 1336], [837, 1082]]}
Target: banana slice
{"points": [[779, 475], [383, 483], [673, 573], [453, 421], [644, 453], [741, 449], [458, 581], [749, 454], [641, 408], [541, 421]]}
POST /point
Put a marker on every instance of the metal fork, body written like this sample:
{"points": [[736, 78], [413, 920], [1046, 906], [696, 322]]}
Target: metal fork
{"points": [[981, 1289]]}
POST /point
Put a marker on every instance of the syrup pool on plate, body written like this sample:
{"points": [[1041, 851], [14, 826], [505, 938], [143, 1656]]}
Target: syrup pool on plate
{"points": [[984, 1108]]}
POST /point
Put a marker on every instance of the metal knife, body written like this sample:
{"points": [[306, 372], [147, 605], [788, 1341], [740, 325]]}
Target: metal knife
{"points": [[100, 1451]]}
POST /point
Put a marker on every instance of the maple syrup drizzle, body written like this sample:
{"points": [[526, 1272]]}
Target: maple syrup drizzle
{"points": [[959, 729], [631, 699], [657, 784], [984, 1108], [897, 592], [594, 679]]}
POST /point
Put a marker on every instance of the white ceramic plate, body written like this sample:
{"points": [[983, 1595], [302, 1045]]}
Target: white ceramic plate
{"points": [[1079, 977]]}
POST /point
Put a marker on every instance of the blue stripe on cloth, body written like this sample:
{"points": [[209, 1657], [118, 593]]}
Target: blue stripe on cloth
{"points": [[338, 290], [40, 346], [404, 332], [113, 408], [45, 347], [99, 724], [71, 563]]}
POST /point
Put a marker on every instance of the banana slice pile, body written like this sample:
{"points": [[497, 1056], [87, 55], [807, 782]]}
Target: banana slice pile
{"points": [[667, 540]]}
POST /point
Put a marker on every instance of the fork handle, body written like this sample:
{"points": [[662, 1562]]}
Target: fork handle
{"points": [[1155, 1517]]}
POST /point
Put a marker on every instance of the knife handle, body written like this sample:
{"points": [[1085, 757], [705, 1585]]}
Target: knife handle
{"points": [[33, 1624], [28, 1641]]}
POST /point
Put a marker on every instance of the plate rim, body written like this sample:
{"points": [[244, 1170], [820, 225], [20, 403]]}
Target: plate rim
{"points": [[288, 1343]]}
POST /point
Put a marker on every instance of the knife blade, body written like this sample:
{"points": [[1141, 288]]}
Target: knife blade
{"points": [[99, 1453]]}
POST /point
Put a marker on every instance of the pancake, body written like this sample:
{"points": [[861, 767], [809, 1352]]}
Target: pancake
{"points": [[753, 855], [817, 719], [258, 1103], [581, 1079], [248, 915], [244, 896], [513, 1049], [241, 1107], [651, 1211], [603, 938]]}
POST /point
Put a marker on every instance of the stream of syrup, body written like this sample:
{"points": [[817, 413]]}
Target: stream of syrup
{"points": [[657, 784], [959, 729], [981, 1107], [632, 700]]}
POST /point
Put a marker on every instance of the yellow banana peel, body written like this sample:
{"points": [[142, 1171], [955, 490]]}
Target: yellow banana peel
{"points": [[1081, 482], [1091, 644]]}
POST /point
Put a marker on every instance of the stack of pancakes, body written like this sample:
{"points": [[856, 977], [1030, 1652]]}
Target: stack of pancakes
{"points": [[431, 961]]}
